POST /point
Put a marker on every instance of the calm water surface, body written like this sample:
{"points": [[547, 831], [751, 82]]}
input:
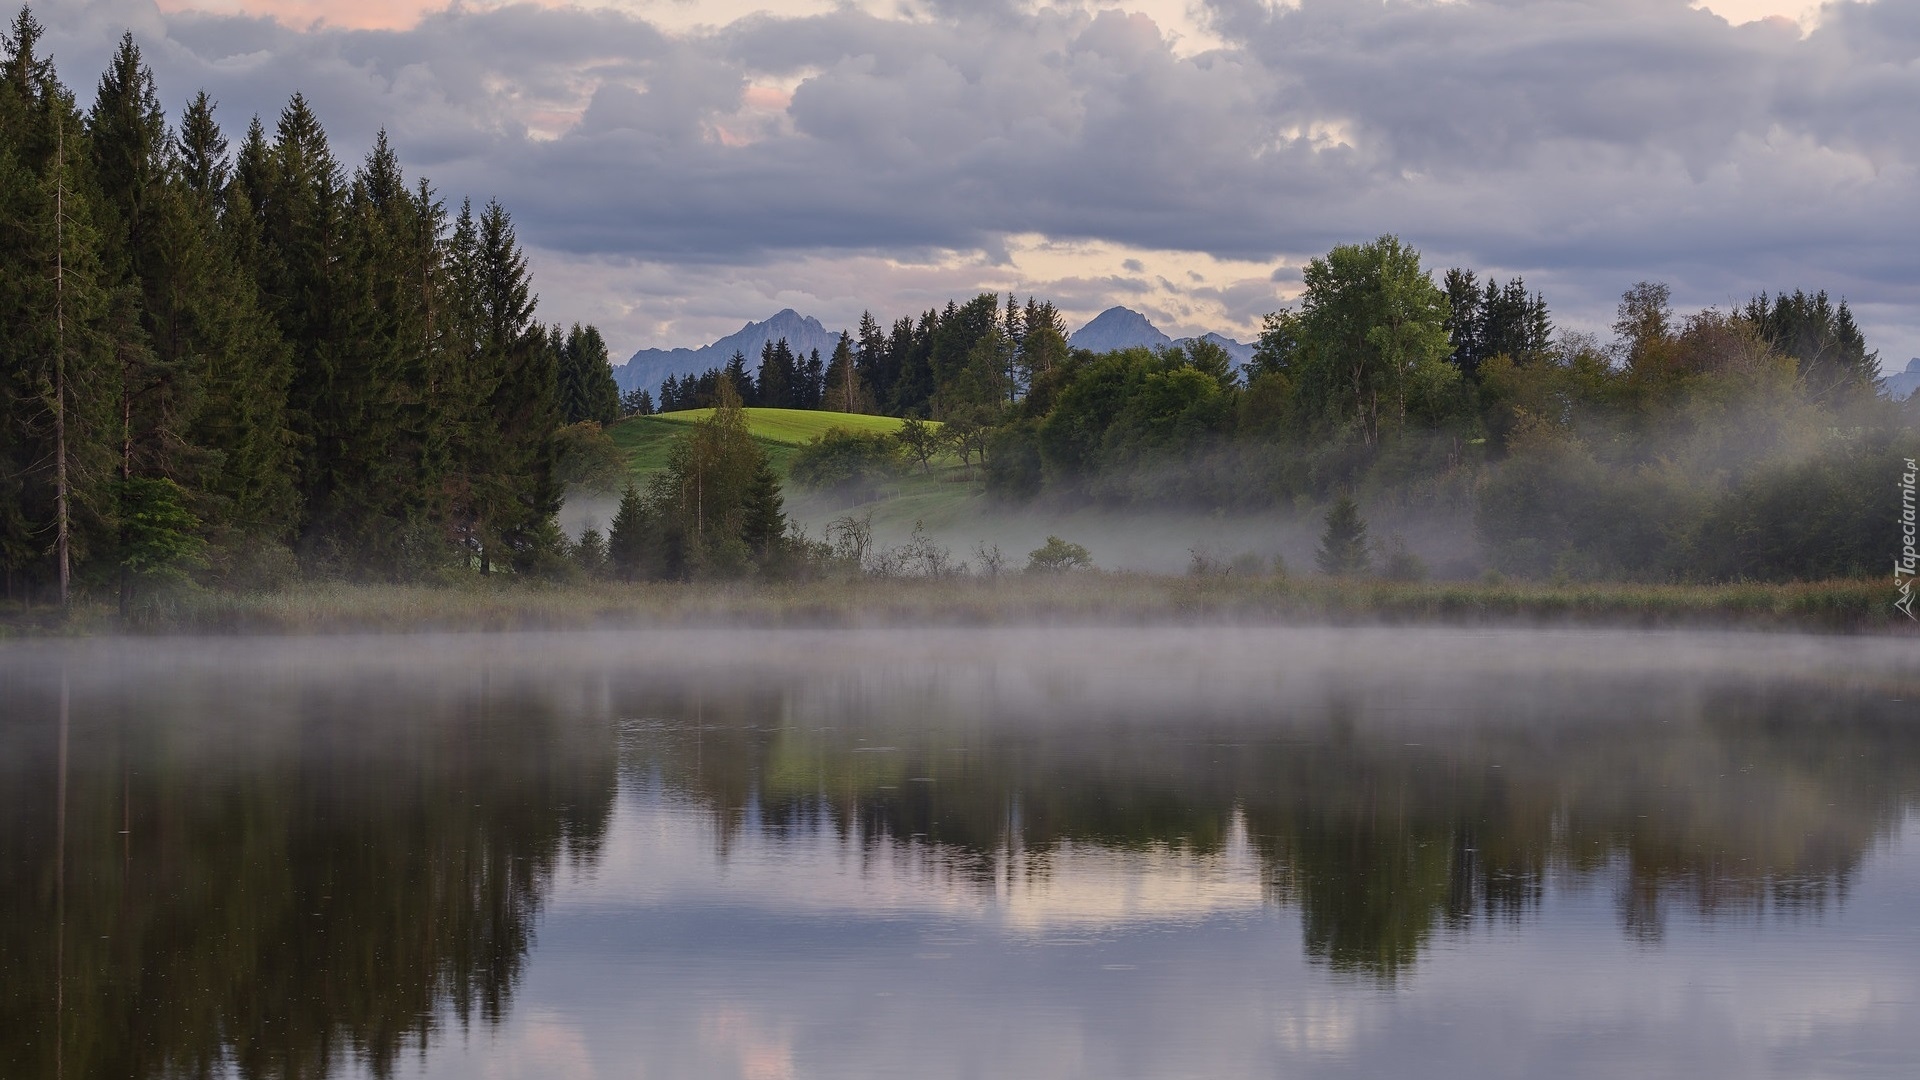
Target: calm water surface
{"points": [[1062, 853]]}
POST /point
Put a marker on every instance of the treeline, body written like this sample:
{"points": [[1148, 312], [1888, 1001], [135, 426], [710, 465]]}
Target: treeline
{"points": [[960, 363], [243, 361], [1718, 445]]}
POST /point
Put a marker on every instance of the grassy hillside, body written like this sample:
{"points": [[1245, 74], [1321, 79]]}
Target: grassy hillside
{"points": [[791, 427], [646, 439], [942, 497]]}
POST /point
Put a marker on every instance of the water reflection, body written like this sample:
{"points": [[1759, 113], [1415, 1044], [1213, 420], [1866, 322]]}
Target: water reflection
{"points": [[312, 858], [275, 876], [1719, 798]]}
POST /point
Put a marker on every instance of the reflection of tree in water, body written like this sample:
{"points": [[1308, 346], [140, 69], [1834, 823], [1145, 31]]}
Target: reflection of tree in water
{"points": [[1727, 800], [326, 872]]}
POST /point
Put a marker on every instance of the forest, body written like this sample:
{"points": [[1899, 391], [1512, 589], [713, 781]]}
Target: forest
{"points": [[240, 363]]}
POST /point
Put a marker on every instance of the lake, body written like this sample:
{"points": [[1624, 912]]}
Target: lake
{"points": [[1074, 852]]}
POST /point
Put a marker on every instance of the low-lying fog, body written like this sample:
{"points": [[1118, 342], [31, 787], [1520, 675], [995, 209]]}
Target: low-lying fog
{"points": [[1163, 542]]}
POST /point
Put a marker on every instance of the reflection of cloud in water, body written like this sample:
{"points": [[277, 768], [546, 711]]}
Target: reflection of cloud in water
{"points": [[661, 851], [1086, 884], [924, 979]]}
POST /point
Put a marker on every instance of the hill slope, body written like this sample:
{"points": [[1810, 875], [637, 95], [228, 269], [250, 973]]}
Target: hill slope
{"points": [[646, 439]]}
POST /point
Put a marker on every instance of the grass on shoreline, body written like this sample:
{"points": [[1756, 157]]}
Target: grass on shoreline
{"points": [[1103, 598]]}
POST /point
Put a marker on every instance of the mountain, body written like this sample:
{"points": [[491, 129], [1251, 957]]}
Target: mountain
{"points": [[1904, 383], [1118, 328], [1242, 354], [648, 368], [1124, 328]]}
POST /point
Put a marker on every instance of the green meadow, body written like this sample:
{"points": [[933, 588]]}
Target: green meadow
{"points": [[941, 497]]}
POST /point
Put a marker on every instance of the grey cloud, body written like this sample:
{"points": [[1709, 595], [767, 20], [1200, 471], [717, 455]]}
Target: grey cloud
{"points": [[1583, 142]]}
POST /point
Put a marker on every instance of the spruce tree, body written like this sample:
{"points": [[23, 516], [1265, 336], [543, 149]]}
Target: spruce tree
{"points": [[1343, 545], [512, 451], [587, 390], [764, 524], [742, 379], [872, 362], [809, 382], [843, 389], [627, 536], [58, 377]]}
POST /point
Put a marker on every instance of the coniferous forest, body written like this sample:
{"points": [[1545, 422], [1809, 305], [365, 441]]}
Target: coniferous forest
{"points": [[243, 358]]}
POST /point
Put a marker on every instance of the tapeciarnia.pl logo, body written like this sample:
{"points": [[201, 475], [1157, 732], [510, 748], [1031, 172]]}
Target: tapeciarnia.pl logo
{"points": [[1909, 560]]}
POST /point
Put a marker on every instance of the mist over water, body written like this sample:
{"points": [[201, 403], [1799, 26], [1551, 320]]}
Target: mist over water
{"points": [[958, 853]]}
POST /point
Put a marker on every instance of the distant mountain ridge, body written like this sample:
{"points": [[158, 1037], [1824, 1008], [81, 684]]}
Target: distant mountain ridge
{"points": [[1902, 384], [648, 368], [1125, 328], [1114, 328]]}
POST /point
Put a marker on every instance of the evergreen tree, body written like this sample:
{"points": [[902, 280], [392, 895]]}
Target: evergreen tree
{"points": [[1343, 545], [1513, 324], [587, 390], [636, 402], [515, 490], [59, 388], [764, 520], [627, 538], [778, 384], [843, 389], [873, 364], [246, 365], [590, 553], [1825, 344], [911, 348], [1465, 333], [742, 379], [811, 380]]}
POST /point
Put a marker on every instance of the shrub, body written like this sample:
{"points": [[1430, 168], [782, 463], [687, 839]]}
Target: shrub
{"points": [[1057, 555], [587, 458], [850, 464]]}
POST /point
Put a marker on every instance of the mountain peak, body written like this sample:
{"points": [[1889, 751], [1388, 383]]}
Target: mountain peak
{"points": [[648, 368], [1118, 328]]}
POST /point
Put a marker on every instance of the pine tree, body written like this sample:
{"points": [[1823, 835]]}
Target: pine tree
{"points": [[1343, 546]]}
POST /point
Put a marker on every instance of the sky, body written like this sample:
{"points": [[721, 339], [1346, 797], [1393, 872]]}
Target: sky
{"points": [[677, 168]]}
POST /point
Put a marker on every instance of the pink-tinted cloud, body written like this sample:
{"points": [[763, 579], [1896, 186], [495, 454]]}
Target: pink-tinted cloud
{"points": [[302, 14]]}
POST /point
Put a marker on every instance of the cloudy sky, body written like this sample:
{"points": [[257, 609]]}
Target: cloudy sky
{"points": [[678, 167]]}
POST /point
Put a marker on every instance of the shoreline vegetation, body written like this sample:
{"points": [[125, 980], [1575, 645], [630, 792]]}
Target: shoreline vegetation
{"points": [[1841, 606]]}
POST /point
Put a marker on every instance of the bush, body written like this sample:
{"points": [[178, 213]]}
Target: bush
{"points": [[588, 459], [1057, 555], [849, 464], [1402, 564]]}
